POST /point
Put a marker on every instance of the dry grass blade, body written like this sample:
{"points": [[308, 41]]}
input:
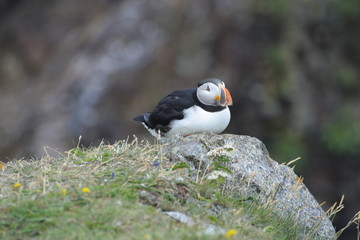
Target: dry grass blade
{"points": [[335, 208], [127, 190], [293, 161], [354, 220]]}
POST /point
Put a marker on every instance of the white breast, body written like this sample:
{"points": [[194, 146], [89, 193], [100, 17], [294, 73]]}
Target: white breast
{"points": [[198, 120]]}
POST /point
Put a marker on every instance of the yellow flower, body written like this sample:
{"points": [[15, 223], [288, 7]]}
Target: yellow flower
{"points": [[147, 237], [231, 233], [2, 165], [86, 190], [17, 185], [64, 192]]}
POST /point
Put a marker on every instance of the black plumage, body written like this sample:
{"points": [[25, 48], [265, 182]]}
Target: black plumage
{"points": [[171, 108]]}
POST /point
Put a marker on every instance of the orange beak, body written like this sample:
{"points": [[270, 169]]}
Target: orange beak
{"points": [[229, 101], [225, 98]]}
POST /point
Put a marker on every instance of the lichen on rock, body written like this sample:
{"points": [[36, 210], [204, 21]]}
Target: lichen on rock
{"points": [[249, 171]]}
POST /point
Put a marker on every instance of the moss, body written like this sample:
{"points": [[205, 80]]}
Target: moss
{"points": [[127, 197]]}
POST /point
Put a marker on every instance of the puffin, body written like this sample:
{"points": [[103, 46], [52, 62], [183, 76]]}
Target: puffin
{"points": [[189, 111]]}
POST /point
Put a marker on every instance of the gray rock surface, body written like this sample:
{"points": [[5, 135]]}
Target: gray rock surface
{"points": [[249, 170], [183, 218]]}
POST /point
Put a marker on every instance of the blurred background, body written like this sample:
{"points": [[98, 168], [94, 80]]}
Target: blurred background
{"points": [[87, 67]]}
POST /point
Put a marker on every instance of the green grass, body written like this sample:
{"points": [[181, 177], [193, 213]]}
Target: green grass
{"points": [[131, 186]]}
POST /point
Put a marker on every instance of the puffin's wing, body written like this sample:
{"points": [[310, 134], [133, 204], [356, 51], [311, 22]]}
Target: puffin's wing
{"points": [[169, 108]]}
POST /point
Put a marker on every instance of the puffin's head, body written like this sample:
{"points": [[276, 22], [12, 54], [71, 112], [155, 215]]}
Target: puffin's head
{"points": [[212, 91]]}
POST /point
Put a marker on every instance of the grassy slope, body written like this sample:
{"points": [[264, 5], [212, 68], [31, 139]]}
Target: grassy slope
{"points": [[128, 194]]}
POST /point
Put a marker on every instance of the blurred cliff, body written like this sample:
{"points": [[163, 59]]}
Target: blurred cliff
{"points": [[71, 68]]}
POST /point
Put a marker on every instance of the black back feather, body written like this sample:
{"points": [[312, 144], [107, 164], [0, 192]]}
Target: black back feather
{"points": [[171, 107]]}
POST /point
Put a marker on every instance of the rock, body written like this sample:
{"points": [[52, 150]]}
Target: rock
{"points": [[208, 229], [245, 162]]}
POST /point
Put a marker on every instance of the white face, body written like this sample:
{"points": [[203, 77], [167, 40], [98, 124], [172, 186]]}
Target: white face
{"points": [[209, 94]]}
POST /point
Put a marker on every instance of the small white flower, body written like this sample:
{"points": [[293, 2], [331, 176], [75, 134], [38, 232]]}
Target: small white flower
{"points": [[217, 174], [180, 179]]}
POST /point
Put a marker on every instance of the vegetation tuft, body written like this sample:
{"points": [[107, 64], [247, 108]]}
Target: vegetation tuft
{"points": [[122, 191]]}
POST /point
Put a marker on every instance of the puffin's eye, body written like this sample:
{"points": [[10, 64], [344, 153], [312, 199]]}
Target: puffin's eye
{"points": [[207, 88]]}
